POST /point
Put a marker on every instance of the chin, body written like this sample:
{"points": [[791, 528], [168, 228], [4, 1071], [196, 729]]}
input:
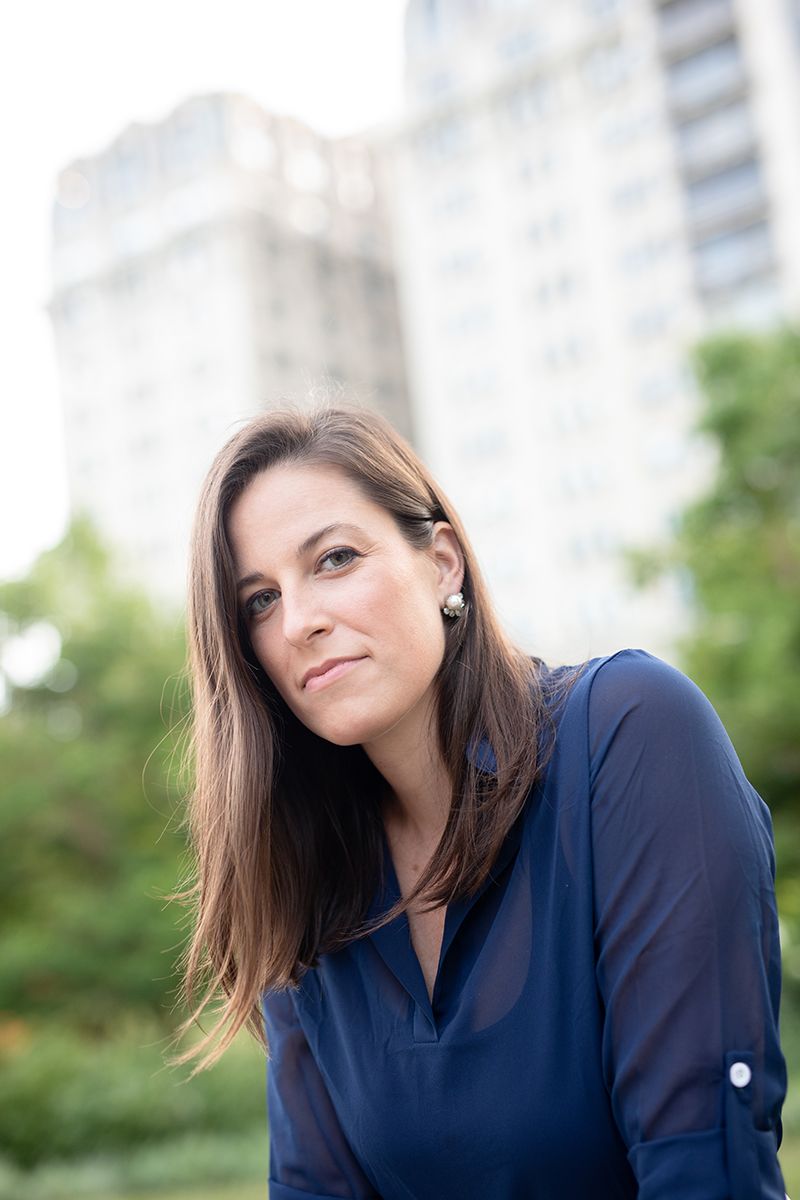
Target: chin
{"points": [[354, 730], [352, 734], [341, 739]]}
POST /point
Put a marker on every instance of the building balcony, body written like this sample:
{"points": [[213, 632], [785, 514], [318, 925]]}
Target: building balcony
{"points": [[726, 200], [716, 140], [685, 26], [707, 80], [728, 260]]}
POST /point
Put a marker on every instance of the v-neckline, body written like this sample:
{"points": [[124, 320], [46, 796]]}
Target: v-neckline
{"points": [[389, 858], [393, 941]]}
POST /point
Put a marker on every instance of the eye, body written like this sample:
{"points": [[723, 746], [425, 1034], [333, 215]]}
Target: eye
{"points": [[340, 557], [260, 603]]}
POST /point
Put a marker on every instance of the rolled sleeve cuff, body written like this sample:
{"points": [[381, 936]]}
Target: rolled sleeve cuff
{"points": [[695, 1166]]}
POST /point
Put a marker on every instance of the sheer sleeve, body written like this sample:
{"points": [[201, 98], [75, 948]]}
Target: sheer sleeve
{"points": [[687, 948], [309, 1156]]}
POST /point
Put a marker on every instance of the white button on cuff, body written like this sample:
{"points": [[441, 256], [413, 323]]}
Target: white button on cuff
{"points": [[740, 1074]]}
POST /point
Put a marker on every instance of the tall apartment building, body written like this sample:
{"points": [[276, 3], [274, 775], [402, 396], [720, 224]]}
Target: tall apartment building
{"points": [[204, 267], [581, 190]]}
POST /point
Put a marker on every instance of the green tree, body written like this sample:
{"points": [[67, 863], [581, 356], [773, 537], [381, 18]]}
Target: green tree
{"points": [[90, 830], [737, 551], [87, 815], [738, 548]]}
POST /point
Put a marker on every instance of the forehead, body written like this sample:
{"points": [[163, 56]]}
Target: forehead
{"points": [[289, 502]]}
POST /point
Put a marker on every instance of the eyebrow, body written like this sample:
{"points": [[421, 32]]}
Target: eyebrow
{"points": [[302, 549]]}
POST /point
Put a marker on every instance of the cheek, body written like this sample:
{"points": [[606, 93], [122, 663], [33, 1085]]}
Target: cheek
{"points": [[435, 648], [420, 643], [267, 654], [410, 617]]}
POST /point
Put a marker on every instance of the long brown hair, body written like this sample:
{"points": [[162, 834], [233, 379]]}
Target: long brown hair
{"points": [[285, 826]]}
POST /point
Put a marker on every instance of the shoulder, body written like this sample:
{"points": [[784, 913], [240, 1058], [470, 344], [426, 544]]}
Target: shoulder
{"points": [[630, 680], [640, 708], [635, 679], [634, 698], [662, 766]]}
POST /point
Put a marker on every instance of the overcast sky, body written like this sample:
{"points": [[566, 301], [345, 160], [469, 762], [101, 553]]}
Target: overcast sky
{"points": [[72, 75]]}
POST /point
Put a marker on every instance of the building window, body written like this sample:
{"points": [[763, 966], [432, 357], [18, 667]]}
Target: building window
{"points": [[608, 68], [576, 412], [189, 261], [478, 387], [469, 322], [651, 322], [443, 140], [488, 443], [548, 228], [75, 307], [523, 44], [455, 203], [432, 16], [569, 352], [602, 10], [130, 283], [124, 174], [642, 256], [660, 388], [437, 85], [423, 25], [532, 169], [622, 125], [556, 290], [633, 194], [463, 262], [529, 102], [664, 452]]}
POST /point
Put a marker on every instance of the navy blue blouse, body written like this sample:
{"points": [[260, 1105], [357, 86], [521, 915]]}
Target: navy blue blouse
{"points": [[605, 1014]]}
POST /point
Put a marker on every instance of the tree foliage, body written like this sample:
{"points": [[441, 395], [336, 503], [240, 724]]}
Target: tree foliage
{"points": [[739, 546], [88, 817]]}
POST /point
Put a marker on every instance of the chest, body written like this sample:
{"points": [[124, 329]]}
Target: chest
{"points": [[494, 1086], [427, 928]]}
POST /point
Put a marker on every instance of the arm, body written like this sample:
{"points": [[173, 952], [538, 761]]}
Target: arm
{"points": [[309, 1155], [687, 950]]}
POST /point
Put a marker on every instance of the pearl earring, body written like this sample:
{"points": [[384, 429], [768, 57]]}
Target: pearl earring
{"points": [[454, 605]]}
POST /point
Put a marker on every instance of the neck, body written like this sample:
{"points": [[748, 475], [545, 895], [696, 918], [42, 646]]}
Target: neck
{"points": [[420, 790]]}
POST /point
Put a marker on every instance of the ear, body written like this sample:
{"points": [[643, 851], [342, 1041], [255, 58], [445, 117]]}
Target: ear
{"points": [[449, 559]]}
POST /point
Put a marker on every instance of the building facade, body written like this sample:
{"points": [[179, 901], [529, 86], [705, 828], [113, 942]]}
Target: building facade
{"points": [[218, 262], [580, 192]]}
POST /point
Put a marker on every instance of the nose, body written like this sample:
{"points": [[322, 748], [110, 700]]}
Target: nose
{"points": [[303, 616]]}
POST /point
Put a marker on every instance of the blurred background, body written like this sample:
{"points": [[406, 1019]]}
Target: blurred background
{"points": [[557, 246]]}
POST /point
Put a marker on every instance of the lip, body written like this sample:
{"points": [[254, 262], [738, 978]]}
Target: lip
{"points": [[327, 672]]}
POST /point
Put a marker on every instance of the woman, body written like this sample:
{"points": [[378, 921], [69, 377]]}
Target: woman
{"points": [[511, 930]]}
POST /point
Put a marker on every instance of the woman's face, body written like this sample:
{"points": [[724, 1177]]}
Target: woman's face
{"points": [[327, 580]]}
